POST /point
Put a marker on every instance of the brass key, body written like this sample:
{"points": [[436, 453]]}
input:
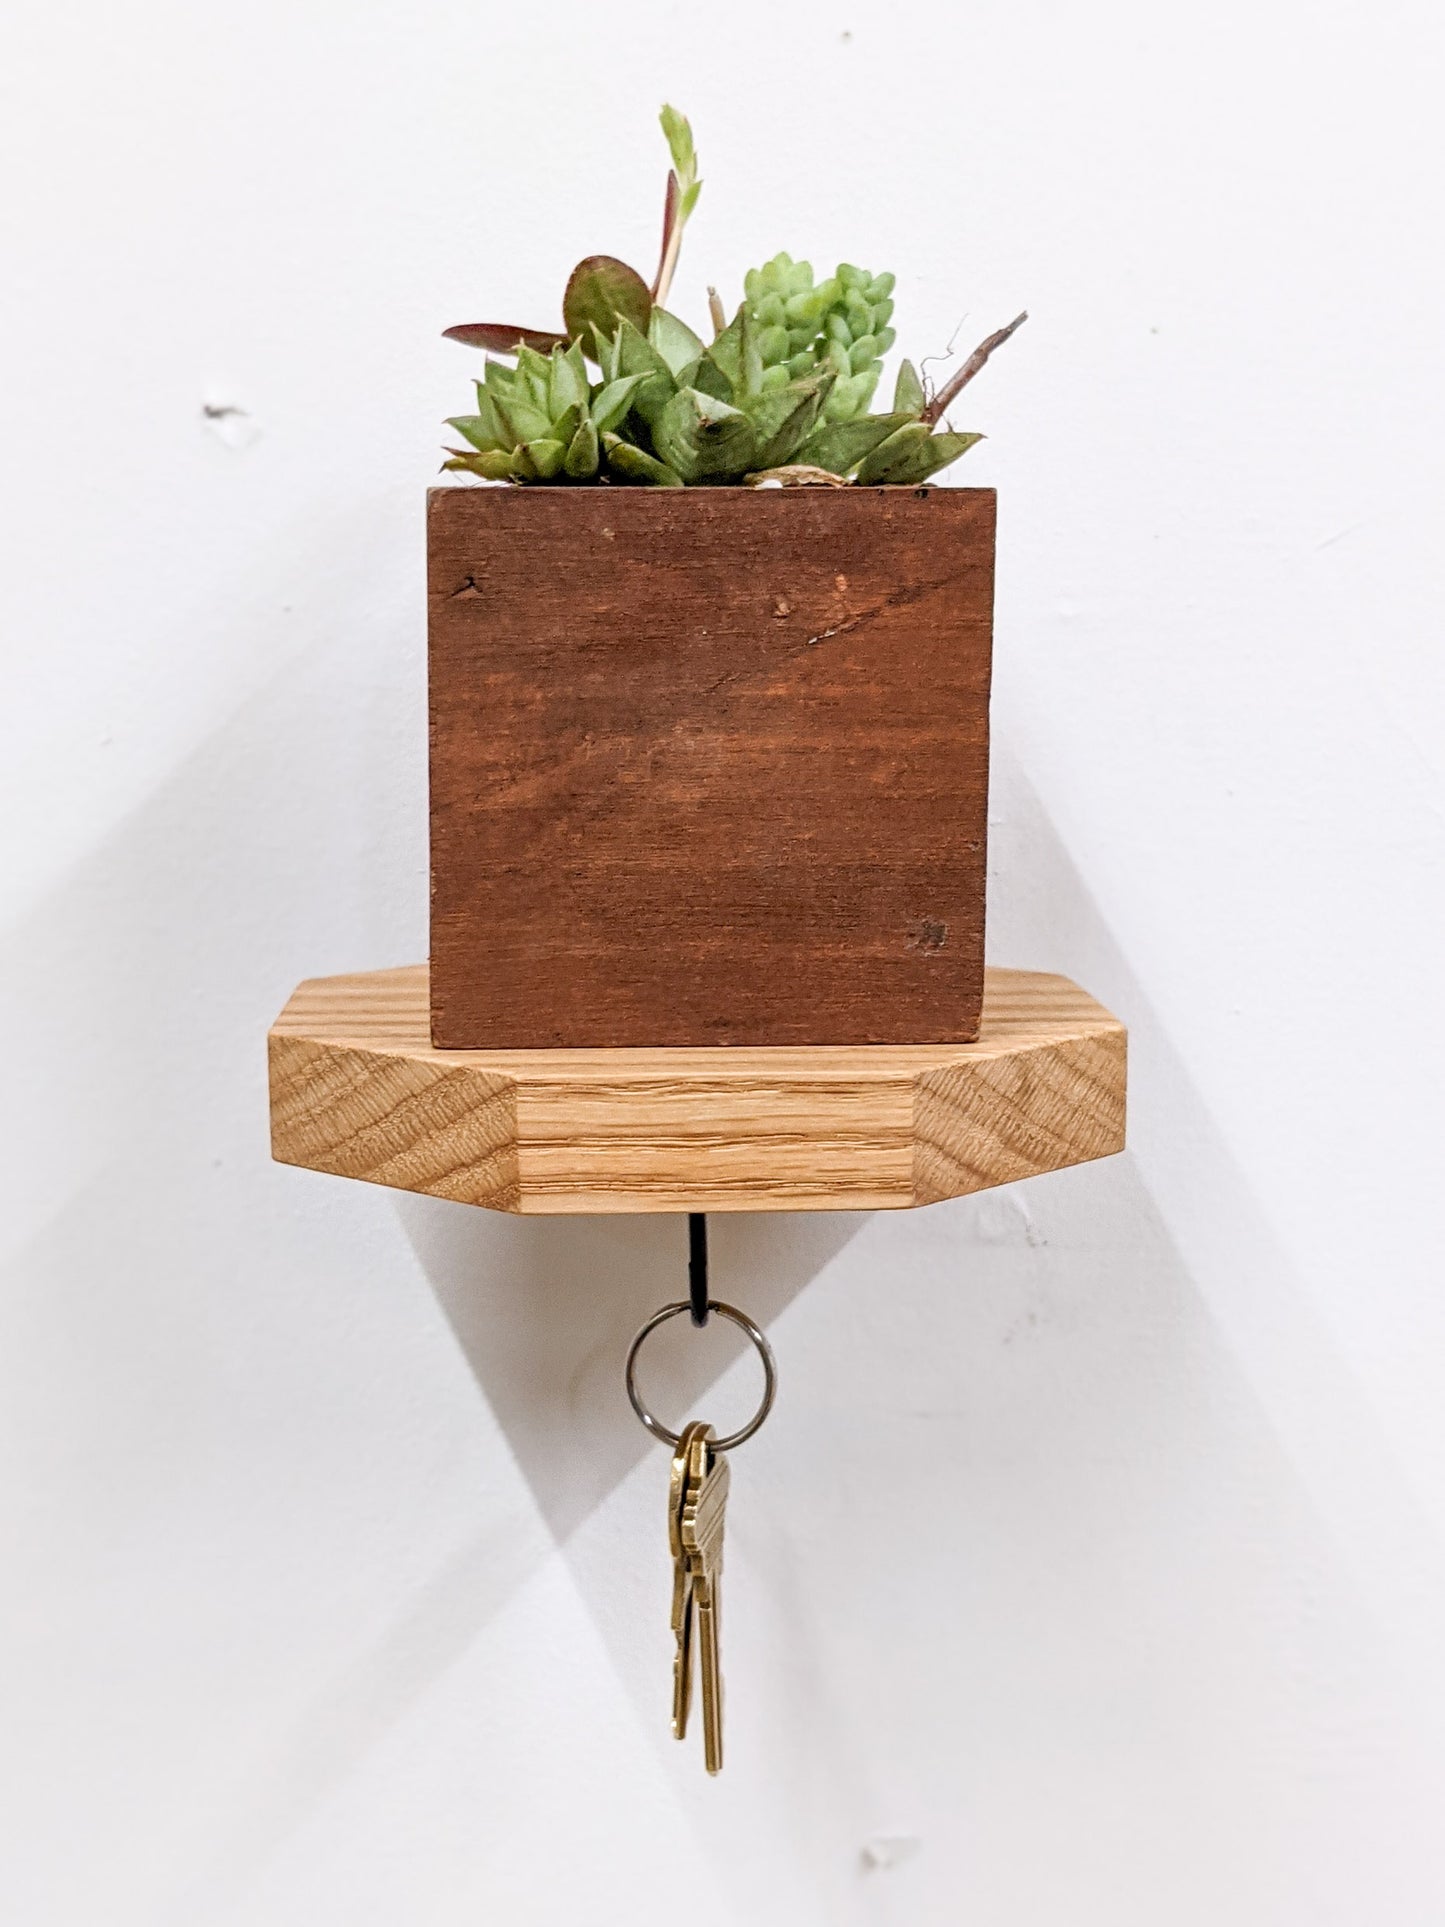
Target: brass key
{"points": [[696, 1504], [682, 1581], [704, 1506]]}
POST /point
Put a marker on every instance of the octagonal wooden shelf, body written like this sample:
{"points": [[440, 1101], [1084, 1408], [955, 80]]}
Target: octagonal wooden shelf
{"points": [[358, 1090]]}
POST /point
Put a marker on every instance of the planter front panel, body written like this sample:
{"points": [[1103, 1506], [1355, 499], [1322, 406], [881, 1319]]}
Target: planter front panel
{"points": [[708, 766]]}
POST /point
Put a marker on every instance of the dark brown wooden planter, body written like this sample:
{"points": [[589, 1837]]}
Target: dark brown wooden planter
{"points": [[708, 766]]}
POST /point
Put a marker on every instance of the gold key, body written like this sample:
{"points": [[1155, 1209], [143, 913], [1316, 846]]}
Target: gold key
{"points": [[704, 1504], [682, 1582], [696, 1503]]}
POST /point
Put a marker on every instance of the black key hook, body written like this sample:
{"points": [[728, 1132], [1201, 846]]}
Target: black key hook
{"points": [[697, 1266]]}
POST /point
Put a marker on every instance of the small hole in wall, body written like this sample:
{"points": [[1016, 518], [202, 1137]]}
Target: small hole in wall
{"points": [[232, 425]]}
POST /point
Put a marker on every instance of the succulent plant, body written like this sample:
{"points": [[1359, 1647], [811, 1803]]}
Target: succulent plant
{"points": [[542, 421], [843, 321], [789, 312], [858, 336], [781, 392]]}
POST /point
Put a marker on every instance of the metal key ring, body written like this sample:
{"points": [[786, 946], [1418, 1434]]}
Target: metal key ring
{"points": [[764, 1351]]}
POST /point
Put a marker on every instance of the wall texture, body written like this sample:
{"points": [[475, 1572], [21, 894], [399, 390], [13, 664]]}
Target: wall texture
{"points": [[1091, 1571]]}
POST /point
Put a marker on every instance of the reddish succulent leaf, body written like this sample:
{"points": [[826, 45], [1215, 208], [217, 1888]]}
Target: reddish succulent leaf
{"points": [[603, 291], [671, 237], [502, 338]]}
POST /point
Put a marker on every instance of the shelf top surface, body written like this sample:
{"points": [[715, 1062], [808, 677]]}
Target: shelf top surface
{"points": [[389, 1010]]}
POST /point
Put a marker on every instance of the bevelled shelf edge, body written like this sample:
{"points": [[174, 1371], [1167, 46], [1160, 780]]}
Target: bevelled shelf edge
{"points": [[358, 1090]]}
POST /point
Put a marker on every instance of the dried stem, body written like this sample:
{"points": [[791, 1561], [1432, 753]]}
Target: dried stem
{"points": [[951, 389], [797, 475], [715, 309]]}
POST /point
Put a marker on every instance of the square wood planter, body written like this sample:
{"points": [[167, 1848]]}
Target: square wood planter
{"points": [[708, 766]]}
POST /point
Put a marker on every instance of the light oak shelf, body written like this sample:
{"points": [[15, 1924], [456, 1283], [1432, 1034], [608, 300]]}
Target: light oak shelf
{"points": [[358, 1090]]}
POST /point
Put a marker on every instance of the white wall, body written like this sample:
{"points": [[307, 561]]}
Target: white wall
{"points": [[1094, 1555]]}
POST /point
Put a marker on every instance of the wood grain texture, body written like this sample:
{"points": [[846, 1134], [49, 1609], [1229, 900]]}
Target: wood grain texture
{"points": [[708, 766], [358, 1089]]}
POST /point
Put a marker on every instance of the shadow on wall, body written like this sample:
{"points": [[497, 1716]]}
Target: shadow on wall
{"points": [[1038, 1372], [544, 1309]]}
